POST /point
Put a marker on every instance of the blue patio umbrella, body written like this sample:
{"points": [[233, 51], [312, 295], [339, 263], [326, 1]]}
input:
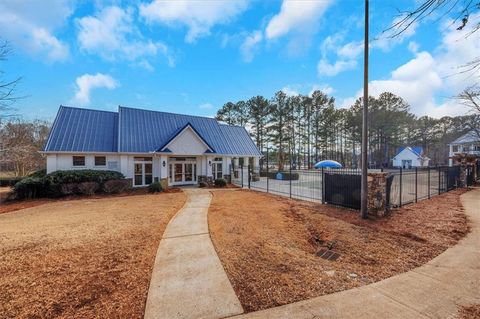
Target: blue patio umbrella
{"points": [[328, 163]]}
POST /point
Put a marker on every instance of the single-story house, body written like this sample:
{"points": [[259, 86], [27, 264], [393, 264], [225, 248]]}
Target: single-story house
{"points": [[468, 144], [147, 145], [408, 157]]}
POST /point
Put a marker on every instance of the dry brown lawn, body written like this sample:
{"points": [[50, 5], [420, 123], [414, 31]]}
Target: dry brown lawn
{"points": [[89, 258], [268, 244]]}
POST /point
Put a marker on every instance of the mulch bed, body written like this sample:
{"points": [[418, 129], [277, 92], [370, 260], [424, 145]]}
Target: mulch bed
{"points": [[90, 258], [469, 312], [272, 247], [7, 206]]}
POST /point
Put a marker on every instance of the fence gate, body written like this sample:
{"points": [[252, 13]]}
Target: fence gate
{"points": [[469, 176], [342, 189]]}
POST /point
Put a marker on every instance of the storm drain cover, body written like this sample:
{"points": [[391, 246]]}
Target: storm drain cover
{"points": [[328, 254]]}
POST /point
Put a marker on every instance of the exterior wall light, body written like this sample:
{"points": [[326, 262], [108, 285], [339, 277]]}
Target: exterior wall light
{"points": [[210, 163], [163, 163]]}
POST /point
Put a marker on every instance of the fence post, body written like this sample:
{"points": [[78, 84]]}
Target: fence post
{"points": [[416, 184], [290, 177], [249, 174], [428, 174], [241, 172], [267, 171], [400, 187], [323, 187], [439, 181]]}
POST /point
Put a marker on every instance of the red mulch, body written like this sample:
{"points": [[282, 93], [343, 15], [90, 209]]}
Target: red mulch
{"points": [[268, 243]]}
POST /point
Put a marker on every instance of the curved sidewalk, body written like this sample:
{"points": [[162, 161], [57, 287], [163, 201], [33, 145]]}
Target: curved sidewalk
{"points": [[188, 279], [434, 290]]}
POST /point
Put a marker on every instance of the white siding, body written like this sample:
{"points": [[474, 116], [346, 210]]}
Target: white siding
{"points": [[407, 154], [65, 162], [187, 143], [51, 163]]}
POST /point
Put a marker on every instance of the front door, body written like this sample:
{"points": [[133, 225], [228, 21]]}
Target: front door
{"points": [[182, 172]]}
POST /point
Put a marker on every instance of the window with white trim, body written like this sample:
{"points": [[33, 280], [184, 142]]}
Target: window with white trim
{"points": [[78, 160], [100, 160]]}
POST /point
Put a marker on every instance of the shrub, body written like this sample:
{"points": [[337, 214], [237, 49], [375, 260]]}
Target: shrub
{"points": [[220, 182], [9, 181], [31, 187], [155, 187], [88, 188], [65, 189], [84, 175], [202, 184], [115, 186], [39, 173]]}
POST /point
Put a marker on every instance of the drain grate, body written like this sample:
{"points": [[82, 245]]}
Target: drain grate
{"points": [[328, 254]]}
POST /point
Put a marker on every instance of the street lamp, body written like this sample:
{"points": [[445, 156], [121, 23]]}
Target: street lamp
{"points": [[364, 184]]}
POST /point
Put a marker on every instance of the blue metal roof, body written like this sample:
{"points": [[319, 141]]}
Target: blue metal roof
{"points": [[140, 131], [83, 130], [418, 150]]}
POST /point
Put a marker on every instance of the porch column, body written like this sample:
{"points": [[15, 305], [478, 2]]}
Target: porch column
{"points": [[256, 161], [209, 166], [235, 162], [163, 166]]}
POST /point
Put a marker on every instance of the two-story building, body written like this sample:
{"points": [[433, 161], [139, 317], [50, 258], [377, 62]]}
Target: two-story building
{"points": [[468, 143]]}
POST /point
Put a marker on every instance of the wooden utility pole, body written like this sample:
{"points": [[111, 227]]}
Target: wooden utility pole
{"points": [[364, 193]]}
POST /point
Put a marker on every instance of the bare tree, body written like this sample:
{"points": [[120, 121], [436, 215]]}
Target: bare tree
{"points": [[7, 87], [20, 142], [470, 97], [462, 11]]}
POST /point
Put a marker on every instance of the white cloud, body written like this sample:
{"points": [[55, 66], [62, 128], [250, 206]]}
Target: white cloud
{"points": [[351, 50], [205, 106], [198, 16], [386, 41], [346, 55], [332, 69], [249, 44], [113, 35], [290, 91], [300, 16], [30, 25], [87, 82], [325, 88], [413, 46]]}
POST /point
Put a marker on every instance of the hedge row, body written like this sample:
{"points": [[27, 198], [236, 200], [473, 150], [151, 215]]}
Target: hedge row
{"points": [[61, 183], [9, 181]]}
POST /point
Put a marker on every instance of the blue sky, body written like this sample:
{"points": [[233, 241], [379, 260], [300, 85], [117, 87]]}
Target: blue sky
{"points": [[189, 56]]}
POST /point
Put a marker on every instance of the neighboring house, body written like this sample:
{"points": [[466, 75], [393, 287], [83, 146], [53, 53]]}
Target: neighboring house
{"points": [[147, 145], [408, 157], [468, 143]]}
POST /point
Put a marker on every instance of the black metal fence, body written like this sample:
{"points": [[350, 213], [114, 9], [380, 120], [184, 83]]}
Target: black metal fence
{"points": [[412, 185], [342, 186]]}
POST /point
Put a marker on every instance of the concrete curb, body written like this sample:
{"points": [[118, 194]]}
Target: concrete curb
{"points": [[434, 290]]}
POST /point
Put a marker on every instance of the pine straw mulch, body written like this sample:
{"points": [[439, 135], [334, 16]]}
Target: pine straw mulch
{"points": [[268, 244], [469, 312], [7, 206], [90, 258]]}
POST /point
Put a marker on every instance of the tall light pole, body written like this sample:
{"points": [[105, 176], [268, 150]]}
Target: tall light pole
{"points": [[364, 193]]}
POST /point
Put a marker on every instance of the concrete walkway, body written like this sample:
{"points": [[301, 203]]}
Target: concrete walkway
{"points": [[434, 290], [188, 279]]}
